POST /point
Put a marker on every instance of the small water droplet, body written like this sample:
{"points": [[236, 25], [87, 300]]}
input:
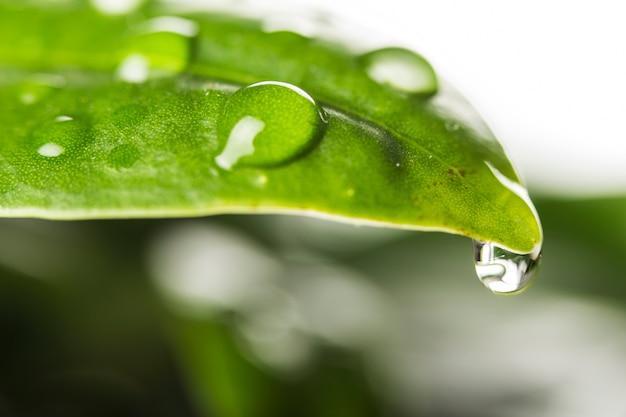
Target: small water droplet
{"points": [[38, 86], [123, 156], [268, 124], [60, 136], [401, 69], [50, 150], [171, 24], [502, 271], [116, 7], [451, 125], [161, 48], [134, 69]]}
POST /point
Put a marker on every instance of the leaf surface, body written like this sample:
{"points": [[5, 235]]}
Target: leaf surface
{"points": [[209, 113]]}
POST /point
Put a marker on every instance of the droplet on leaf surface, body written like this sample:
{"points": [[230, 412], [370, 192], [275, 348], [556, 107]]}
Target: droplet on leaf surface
{"points": [[268, 124], [401, 69]]}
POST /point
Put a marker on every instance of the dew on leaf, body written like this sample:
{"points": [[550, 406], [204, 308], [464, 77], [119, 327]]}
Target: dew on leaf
{"points": [[50, 150], [59, 136], [240, 141], [401, 69], [452, 126], [123, 156], [172, 24], [134, 69], [268, 124], [116, 7], [160, 47], [502, 271], [39, 86]]}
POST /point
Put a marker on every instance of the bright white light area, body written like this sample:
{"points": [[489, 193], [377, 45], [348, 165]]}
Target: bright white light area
{"points": [[116, 6], [173, 24], [240, 141], [201, 267], [50, 150], [547, 76]]}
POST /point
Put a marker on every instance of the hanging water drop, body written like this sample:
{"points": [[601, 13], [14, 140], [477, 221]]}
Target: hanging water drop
{"points": [[268, 124], [401, 69], [502, 271]]}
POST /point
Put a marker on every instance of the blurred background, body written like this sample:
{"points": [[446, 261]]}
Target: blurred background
{"points": [[237, 316]]}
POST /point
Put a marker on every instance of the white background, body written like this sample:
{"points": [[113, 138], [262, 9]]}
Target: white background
{"points": [[548, 75]]}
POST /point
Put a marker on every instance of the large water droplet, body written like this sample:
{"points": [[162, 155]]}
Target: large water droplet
{"points": [[401, 69], [502, 271], [268, 124]]}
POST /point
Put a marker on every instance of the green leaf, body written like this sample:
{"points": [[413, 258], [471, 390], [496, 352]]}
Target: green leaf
{"points": [[208, 114]]}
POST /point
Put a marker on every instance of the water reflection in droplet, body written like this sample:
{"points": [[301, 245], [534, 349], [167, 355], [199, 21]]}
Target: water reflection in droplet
{"points": [[50, 150], [240, 141], [268, 124], [172, 24], [134, 69], [60, 136], [502, 271]]}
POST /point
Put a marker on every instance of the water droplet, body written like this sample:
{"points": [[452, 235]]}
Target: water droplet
{"points": [[171, 24], [123, 156], [134, 69], [502, 271], [50, 150], [261, 180], [116, 7], [58, 137], [401, 69], [160, 48], [268, 124], [39, 86], [451, 125]]}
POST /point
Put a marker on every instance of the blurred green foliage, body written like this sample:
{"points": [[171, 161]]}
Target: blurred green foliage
{"points": [[86, 332]]}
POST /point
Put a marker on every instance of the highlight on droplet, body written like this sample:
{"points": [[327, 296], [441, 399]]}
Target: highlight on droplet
{"points": [[502, 271], [172, 24], [50, 150], [240, 141], [116, 7], [283, 120], [134, 69]]}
